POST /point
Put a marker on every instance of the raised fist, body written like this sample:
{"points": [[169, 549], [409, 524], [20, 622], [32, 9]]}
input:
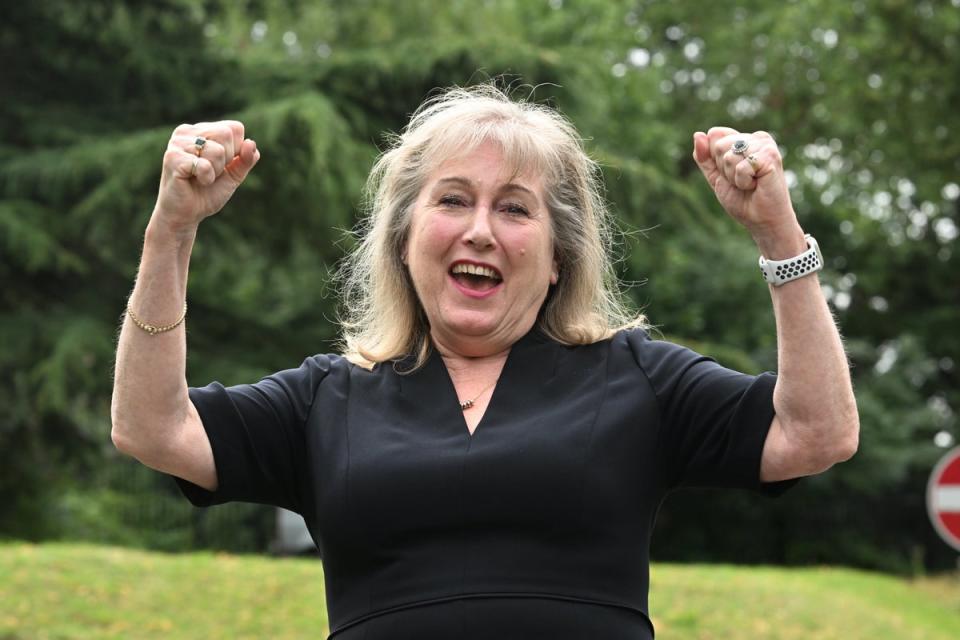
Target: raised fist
{"points": [[202, 167], [745, 171]]}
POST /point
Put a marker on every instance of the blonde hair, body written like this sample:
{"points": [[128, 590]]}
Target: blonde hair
{"points": [[381, 316]]}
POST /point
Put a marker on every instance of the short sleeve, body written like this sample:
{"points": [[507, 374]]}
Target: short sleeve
{"points": [[257, 435], [713, 421]]}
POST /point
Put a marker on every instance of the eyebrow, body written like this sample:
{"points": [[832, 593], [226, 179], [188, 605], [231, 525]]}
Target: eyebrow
{"points": [[510, 186]]}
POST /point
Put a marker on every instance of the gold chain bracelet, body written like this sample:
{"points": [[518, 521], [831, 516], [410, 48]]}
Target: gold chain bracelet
{"points": [[149, 328]]}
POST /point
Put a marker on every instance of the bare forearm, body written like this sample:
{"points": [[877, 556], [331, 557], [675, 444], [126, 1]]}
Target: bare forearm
{"points": [[816, 423], [150, 390], [813, 398]]}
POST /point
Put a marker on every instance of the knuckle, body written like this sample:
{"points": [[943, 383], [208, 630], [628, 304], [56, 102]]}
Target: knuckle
{"points": [[182, 128], [216, 150], [723, 132]]}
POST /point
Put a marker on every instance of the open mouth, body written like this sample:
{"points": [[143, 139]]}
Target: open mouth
{"points": [[475, 277]]}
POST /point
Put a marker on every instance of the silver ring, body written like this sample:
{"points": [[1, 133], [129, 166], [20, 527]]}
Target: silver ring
{"points": [[199, 143], [739, 147], [754, 162], [193, 169]]}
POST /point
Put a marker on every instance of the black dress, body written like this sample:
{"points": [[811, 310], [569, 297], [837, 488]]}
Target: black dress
{"points": [[536, 526]]}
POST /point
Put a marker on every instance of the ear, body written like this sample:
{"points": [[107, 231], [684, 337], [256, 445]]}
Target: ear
{"points": [[554, 272]]}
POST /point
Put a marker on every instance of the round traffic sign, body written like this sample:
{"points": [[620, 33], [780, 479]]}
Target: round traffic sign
{"points": [[943, 498]]}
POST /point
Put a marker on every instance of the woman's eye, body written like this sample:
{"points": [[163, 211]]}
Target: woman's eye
{"points": [[516, 209], [452, 201]]}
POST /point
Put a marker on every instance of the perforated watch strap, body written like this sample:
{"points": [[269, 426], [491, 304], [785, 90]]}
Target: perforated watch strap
{"points": [[778, 272]]}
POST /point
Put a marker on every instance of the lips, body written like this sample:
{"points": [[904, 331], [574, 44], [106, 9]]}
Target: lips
{"points": [[476, 279]]}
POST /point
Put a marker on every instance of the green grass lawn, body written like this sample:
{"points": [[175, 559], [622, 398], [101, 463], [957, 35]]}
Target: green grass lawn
{"points": [[78, 591]]}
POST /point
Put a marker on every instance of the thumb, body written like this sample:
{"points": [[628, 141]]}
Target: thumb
{"points": [[240, 166], [703, 157]]}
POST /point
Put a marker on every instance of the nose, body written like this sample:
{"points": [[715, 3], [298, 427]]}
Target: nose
{"points": [[479, 233]]}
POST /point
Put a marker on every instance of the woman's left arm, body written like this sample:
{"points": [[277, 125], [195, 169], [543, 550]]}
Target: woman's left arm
{"points": [[816, 423]]}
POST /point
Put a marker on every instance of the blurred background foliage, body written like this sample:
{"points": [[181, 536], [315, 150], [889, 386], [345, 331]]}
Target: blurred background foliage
{"points": [[861, 96]]}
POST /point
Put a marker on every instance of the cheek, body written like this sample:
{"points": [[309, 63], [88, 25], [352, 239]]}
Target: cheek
{"points": [[535, 256], [535, 249], [435, 233], [430, 240]]}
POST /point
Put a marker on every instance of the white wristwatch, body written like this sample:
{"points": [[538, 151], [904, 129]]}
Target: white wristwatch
{"points": [[778, 272]]}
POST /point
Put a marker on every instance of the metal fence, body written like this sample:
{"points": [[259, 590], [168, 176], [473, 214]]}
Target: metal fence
{"points": [[134, 505]]}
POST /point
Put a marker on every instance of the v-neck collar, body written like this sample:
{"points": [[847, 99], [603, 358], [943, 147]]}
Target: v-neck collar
{"points": [[529, 361]]}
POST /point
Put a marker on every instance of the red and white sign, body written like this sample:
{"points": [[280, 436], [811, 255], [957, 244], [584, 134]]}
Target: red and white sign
{"points": [[943, 498]]}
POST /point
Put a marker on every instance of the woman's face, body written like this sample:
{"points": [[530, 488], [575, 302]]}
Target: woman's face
{"points": [[480, 252]]}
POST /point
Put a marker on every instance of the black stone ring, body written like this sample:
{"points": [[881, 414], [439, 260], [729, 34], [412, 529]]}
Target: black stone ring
{"points": [[198, 143], [740, 147]]}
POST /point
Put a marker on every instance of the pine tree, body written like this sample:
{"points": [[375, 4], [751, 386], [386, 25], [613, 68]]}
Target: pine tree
{"points": [[858, 95]]}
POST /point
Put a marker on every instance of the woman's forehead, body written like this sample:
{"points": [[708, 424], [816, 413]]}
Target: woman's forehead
{"points": [[487, 164]]}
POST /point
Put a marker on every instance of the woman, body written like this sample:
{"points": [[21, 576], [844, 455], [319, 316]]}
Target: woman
{"points": [[486, 457]]}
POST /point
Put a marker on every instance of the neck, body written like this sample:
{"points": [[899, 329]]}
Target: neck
{"points": [[464, 368], [473, 380], [467, 369], [456, 347]]}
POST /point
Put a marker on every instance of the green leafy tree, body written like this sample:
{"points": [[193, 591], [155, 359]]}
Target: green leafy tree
{"points": [[858, 94]]}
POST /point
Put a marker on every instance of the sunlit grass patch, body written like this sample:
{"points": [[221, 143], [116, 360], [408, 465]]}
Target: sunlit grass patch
{"points": [[81, 591]]}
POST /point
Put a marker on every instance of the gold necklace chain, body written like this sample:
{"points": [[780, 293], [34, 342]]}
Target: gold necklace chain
{"points": [[466, 404]]}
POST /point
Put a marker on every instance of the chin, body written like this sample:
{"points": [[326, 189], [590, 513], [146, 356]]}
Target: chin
{"points": [[471, 328], [477, 335], [468, 326]]}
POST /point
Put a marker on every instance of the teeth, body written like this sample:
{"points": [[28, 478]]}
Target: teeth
{"points": [[476, 270]]}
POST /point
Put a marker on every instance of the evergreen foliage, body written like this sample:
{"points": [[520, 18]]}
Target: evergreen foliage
{"points": [[861, 96]]}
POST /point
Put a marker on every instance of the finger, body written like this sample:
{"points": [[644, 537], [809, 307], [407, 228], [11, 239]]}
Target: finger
{"points": [[701, 150], [720, 140], [188, 138], [734, 148], [184, 129], [187, 166], [236, 130], [703, 157], [729, 167], [744, 177], [199, 132], [240, 166], [203, 172], [223, 134], [715, 134], [765, 135], [206, 133], [216, 155], [765, 160], [211, 150], [228, 133]]}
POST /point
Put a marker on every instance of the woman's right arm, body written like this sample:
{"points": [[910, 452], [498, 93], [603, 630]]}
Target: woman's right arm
{"points": [[152, 417]]}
